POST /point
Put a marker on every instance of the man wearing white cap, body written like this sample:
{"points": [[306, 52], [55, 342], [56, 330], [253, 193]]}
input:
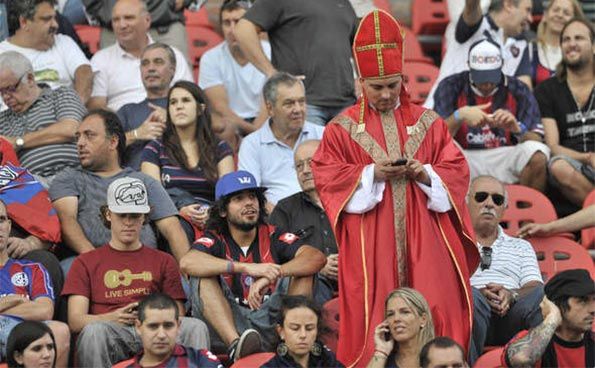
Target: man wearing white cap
{"points": [[495, 119], [105, 285]]}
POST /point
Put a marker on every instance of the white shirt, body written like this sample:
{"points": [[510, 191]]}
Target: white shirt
{"points": [[243, 84], [117, 75], [56, 66]]}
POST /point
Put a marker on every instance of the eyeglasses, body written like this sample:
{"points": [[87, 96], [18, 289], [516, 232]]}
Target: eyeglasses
{"points": [[480, 197], [486, 258], [300, 165], [12, 89]]}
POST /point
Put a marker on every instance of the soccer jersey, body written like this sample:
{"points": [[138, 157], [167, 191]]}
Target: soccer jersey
{"points": [[25, 278]]}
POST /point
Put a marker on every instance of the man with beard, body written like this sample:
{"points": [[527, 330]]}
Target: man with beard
{"points": [[393, 184], [57, 60], [237, 263], [566, 101], [507, 286]]}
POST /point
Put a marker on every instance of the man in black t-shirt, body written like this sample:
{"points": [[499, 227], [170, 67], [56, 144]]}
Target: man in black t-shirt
{"points": [[237, 263], [309, 38], [567, 104]]}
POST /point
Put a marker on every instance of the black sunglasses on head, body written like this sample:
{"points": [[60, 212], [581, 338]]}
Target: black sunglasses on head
{"points": [[498, 199], [486, 258]]}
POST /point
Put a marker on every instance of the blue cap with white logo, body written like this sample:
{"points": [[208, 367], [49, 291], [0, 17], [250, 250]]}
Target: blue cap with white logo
{"points": [[234, 182]]}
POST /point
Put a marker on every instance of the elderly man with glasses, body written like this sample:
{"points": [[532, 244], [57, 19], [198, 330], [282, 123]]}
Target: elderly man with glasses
{"points": [[507, 285]]}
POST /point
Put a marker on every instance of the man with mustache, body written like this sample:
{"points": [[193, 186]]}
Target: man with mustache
{"points": [[57, 60], [268, 152], [567, 103], [507, 286], [238, 262], [564, 339]]}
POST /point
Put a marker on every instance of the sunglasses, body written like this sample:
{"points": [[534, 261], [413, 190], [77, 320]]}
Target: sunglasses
{"points": [[486, 258], [12, 89], [480, 197]]}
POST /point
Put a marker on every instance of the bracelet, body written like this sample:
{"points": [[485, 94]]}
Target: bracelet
{"points": [[457, 116], [381, 352], [135, 134], [230, 267]]}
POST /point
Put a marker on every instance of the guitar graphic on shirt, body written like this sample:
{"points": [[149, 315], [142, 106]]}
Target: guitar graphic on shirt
{"points": [[113, 278]]}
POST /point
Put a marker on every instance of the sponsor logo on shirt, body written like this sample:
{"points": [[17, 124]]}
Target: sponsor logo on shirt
{"points": [[20, 279], [207, 242], [288, 238]]}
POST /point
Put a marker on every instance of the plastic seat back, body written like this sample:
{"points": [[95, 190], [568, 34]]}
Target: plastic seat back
{"points": [[89, 35], [526, 205], [413, 50], [200, 40], [330, 319], [491, 359], [254, 360], [588, 234], [556, 254], [429, 17], [419, 78]]}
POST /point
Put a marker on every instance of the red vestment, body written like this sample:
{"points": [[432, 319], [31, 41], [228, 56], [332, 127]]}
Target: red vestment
{"points": [[400, 242]]}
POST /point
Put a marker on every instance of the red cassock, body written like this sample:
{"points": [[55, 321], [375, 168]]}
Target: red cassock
{"points": [[400, 242]]}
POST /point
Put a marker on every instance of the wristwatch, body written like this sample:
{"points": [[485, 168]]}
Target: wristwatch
{"points": [[515, 295], [19, 143]]}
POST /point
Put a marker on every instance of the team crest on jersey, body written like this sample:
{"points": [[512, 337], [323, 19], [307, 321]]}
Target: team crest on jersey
{"points": [[20, 279], [207, 242], [288, 238]]}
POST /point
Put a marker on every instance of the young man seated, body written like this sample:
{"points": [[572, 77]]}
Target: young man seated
{"points": [[158, 325], [105, 285], [237, 263]]}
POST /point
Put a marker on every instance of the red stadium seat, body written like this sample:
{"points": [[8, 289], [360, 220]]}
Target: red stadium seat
{"points": [[419, 78], [330, 321], [413, 50], [588, 234], [491, 359], [254, 360], [526, 205], [429, 17], [90, 35], [384, 5], [556, 254], [198, 18], [200, 40]]}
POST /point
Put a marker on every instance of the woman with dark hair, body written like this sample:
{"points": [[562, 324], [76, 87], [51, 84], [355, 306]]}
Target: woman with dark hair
{"points": [[298, 327], [188, 159], [407, 327], [31, 344]]}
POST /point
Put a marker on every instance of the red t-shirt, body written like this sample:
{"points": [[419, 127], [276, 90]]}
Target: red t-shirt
{"points": [[568, 354], [112, 279]]}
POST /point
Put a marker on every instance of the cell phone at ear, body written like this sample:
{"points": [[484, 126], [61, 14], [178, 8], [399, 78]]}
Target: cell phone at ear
{"points": [[399, 162], [387, 336]]}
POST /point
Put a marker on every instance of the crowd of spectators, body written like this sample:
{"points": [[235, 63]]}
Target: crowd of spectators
{"points": [[151, 216]]}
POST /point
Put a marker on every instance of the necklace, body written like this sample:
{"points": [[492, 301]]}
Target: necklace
{"points": [[582, 116]]}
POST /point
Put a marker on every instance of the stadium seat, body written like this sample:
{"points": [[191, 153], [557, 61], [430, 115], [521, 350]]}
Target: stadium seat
{"points": [[556, 254], [588, 234], [89, 35], [525, 205], [383, 4], [330, 320], [200, 40], [429, 17], [198, 18], [413, 50], [254, 360], [491, 359], [419, 78]]}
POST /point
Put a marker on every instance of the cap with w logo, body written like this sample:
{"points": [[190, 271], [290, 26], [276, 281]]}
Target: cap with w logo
{"points": [[234, 182]]}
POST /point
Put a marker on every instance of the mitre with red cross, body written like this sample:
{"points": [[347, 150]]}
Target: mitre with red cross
{"points": [[378, 46]]}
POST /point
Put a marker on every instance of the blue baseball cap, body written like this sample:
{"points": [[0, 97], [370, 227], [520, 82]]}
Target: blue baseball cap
{"points": [[234, 182]]}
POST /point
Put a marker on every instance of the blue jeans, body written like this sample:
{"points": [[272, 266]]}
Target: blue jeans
{"points": [[321, 115], [6, 325], [491, 329], [74, 11]]}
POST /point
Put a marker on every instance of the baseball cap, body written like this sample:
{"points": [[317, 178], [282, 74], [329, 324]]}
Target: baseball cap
{"points": [[485, 62], [127, 195], [577, 283], [236, 182]]}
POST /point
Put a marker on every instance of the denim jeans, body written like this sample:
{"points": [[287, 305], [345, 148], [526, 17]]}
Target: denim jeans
{"points": [[320, 115]]}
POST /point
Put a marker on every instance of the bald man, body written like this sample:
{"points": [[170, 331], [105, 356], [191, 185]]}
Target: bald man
{"points": [[117, 80], [302, 214]]}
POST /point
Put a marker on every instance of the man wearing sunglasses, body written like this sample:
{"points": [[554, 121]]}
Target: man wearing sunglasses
{"points": [[507, 285]]}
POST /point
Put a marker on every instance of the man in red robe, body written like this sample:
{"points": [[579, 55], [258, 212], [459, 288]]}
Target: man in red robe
{"points": [[393, 184]]}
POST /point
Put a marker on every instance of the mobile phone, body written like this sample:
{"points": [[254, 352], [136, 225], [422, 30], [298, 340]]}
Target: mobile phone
{"points": [[387, 336], [399, 162]]}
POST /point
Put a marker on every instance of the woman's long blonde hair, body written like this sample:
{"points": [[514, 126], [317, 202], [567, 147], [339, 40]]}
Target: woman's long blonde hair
{"points": [[420, 307], [542, 26]]}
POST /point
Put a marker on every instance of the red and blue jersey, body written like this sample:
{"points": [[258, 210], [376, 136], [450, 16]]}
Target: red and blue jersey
{"points": [[181, 357], [25, 278]]}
